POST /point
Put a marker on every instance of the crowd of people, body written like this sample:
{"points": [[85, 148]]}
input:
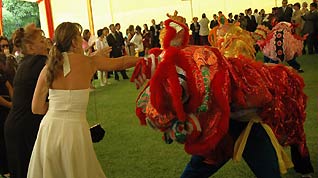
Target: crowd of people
{"points": [[136, 42], [303, 18], [33, 67]]}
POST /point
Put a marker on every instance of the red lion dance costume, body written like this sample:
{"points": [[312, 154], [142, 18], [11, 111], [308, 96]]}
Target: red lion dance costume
{"points": [[193, 92]]}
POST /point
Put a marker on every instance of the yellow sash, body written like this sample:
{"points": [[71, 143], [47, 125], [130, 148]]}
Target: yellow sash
{"points": [[284, 161]]}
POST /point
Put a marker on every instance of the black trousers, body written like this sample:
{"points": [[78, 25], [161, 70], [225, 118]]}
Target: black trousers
{"points": [[196, 38], [293, 63], [259, 154], [312, 43], [123, 74]]}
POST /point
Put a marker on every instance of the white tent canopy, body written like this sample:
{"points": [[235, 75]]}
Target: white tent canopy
{"points": [[139, 12]]}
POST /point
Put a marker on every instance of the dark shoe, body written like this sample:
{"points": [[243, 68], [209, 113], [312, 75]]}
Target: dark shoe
{"points": [[300, 71]]}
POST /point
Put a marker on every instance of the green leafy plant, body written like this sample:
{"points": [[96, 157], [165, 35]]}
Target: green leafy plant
{"points": [[17, 13]]}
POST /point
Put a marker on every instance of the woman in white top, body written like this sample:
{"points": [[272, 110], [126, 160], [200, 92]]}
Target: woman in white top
{"points": [[63, 147], [204, 30], [137, 41], [100, 44], [130, 47]]}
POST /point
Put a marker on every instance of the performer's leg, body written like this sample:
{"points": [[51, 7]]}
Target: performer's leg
{"points": [[301, 159], [197, 168], [294, 64], [260, 154], [273, 62], [266, 59]]}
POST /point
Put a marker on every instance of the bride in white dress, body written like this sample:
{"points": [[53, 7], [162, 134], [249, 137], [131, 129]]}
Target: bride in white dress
{"points": [[63, 148]]}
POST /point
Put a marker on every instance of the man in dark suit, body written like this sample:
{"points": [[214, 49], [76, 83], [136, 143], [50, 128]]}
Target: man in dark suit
{"points": [[195, 28], [117, 27], [154, 31], [311, 28], [116, 42], [214, 22], [284, 13], [251, 21]]}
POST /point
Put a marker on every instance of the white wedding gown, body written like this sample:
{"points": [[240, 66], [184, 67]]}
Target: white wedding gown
{"points": [[63, 148]]}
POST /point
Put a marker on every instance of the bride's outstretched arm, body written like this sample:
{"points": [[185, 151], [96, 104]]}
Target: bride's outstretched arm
{"points": [[103, 62], [39, 104], [120, 63]]}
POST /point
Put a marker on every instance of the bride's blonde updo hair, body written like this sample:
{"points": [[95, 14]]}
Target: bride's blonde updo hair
{"points": [[25, 36], [63, 36]]}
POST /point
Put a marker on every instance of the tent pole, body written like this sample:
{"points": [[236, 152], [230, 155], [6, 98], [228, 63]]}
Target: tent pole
{"points": [[90, 17], [111, 10], [191, 5], [49, 17]]}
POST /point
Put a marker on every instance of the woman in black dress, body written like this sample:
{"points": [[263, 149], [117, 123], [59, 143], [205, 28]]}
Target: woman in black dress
{"points": [[22, 125], [6, 92]]}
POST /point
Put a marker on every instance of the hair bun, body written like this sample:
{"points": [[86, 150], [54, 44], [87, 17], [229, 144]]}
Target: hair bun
{"points": [[17, 37]]}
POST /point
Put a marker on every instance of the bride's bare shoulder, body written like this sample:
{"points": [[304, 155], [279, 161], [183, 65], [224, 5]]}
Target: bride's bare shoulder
{"points": [[79, 57]]}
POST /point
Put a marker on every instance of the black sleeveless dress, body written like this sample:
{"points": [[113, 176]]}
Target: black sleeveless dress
{"points": [[4, 93], [22, 125]]}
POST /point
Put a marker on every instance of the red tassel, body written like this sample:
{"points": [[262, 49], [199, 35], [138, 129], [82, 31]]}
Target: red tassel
{"points": [[141, 116]]}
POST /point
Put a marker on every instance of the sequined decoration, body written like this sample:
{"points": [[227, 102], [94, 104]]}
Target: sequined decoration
{"points": [[206, 80]]}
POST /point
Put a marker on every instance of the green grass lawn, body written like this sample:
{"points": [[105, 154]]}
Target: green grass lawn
{"points": [[133, 151]]}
